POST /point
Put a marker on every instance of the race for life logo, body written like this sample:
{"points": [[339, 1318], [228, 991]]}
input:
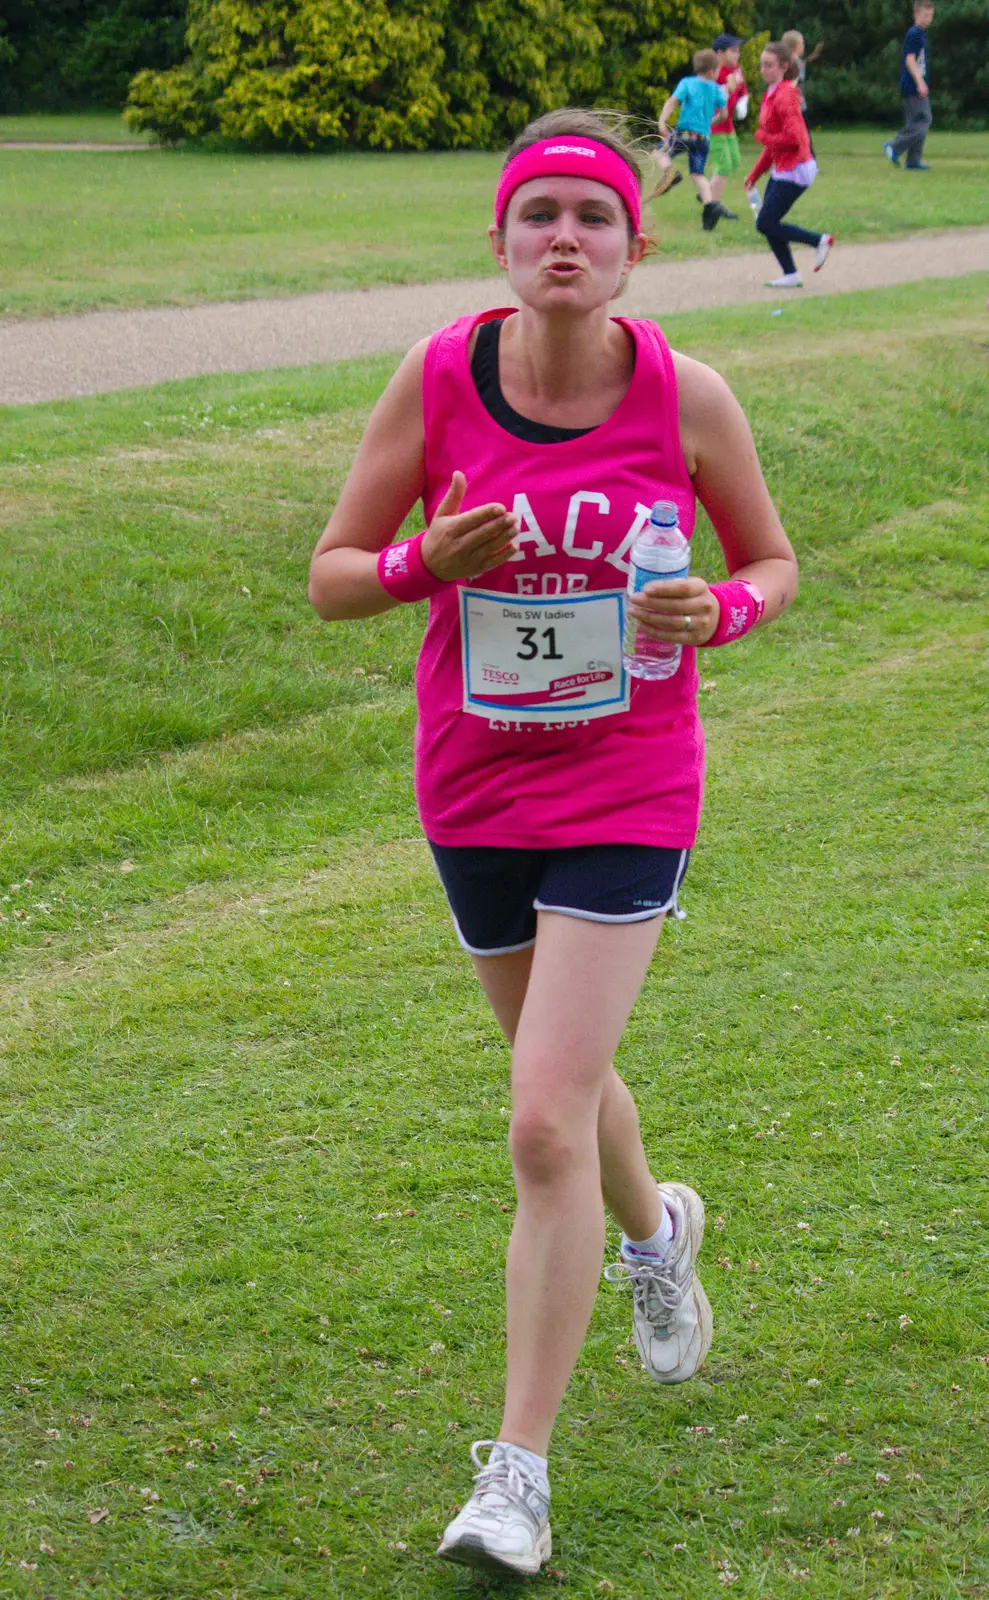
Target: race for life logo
{"points": [[397, 560], [569, 150]]}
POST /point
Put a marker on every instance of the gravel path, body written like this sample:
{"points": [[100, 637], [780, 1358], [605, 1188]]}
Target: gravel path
{"points": [[55, 358]]}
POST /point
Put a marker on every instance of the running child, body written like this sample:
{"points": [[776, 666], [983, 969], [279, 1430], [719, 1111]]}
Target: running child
{"points": [[726, 158], [794, 41], [560, 797], [698, 98], [917, 115], [786, 155]]}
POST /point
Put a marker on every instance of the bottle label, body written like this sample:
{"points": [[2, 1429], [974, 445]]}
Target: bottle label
{"points": [[640, 576]]}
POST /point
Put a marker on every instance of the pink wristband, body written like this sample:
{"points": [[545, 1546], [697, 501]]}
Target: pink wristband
{"points": [[404, 575], [741, 605]]}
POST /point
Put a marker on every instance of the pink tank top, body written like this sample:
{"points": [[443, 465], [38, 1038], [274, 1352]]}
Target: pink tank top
{"points": [[578, 754]]}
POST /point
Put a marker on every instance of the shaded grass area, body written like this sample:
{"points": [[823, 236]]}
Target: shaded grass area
{"points": [[175, 227], [86, 127], [254, 1159]]}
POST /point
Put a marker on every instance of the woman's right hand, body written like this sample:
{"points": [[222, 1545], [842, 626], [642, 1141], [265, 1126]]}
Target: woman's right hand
{"points": [[463, 545]]}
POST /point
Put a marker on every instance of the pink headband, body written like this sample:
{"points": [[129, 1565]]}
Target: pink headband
{"points": [[570, 156]]}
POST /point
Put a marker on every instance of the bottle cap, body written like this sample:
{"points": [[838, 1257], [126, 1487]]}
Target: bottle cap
{"points": [[665, 514]]}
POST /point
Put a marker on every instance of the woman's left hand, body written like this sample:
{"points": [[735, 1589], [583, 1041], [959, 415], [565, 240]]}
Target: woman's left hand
{"points": [[676, 610]]}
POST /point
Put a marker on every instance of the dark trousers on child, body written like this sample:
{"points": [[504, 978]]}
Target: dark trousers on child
{"points": [[917, 118], [810, 141], [779, 235]]}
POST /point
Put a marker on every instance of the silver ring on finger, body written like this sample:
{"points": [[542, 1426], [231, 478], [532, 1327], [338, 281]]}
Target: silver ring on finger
{"points": [[688, 622]]}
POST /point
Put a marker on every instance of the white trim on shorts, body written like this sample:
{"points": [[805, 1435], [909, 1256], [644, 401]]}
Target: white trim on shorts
{"points": [[602, 916], [630, 916], [585, 916], [499, 950]]}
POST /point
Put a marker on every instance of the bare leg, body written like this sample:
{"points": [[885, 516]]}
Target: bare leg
{"points": [[628, 1185], [504, 980], [584, 979], [702, 186], [717, 186]]}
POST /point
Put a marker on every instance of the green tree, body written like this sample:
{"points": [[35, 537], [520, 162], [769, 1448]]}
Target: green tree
{"points": [[508, 62], [650, 43], [749, 62], [394, 74], [305, 73], [73, 53]]}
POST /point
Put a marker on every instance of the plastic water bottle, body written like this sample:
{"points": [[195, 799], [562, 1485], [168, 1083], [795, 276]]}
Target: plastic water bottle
{"points": [[754, 200], [660, 551]]}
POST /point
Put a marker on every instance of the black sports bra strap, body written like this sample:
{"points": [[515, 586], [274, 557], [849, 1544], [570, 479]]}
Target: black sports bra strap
{"points": [[484, 371]]}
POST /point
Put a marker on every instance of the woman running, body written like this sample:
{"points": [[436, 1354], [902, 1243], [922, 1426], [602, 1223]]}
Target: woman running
{"points": [[782, 132], [560, 798]]}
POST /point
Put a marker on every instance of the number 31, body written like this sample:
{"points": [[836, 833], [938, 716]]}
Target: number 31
{"points": [[531, 649]]}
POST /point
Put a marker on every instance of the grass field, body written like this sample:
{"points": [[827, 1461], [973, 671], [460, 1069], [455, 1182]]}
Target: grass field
{"points": [[174, 227], [255, 1181], [89, 127]]}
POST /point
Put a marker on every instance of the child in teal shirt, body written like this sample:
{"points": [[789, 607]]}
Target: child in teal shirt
{"points": [[698, 98]]}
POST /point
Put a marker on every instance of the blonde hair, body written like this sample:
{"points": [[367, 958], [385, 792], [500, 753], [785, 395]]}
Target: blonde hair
{"points": [[794, 41]]}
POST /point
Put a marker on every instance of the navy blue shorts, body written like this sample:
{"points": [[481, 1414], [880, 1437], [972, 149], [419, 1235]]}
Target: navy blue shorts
{"points": [[494, 893], [695, 147]]}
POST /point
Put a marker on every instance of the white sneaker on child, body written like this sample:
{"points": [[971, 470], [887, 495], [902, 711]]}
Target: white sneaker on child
{"points": [[504, 1527], [671, 1314], [823, 250], [789, 280]]}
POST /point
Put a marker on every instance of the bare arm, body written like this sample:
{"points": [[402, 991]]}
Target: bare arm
{"points": [[667, 111], [382, 486], [913, 67], [721, 458]]}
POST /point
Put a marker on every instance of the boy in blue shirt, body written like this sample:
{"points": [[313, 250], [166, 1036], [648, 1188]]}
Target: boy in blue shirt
{"points": [[916, 97], [698, 98]]}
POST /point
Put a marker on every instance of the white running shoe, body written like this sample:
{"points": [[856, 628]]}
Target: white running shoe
{"points": [[671, 1313], [504, 1527], [789, 280], [824, 245]]}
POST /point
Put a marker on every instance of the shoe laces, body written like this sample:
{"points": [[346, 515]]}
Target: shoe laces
{"points": [[657, 1294], [505, 1482]]}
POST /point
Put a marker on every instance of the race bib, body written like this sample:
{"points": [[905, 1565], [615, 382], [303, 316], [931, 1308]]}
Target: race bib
{"points": [[543, 660]]}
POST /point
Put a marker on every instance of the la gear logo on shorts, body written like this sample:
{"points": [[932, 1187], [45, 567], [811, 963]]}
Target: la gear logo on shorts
{"points": [[569, 150]]}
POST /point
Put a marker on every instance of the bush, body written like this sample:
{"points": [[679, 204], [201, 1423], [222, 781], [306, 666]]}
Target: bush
{"points": [[649, 46], [749, 62], [319, 72], [395, 74]]}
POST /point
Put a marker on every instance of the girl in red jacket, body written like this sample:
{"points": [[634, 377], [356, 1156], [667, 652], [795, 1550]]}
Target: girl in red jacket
{"points": [[786, 153]]}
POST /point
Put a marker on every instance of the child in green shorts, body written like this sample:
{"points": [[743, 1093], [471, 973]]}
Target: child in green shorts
{"points": [[726, 159]]}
